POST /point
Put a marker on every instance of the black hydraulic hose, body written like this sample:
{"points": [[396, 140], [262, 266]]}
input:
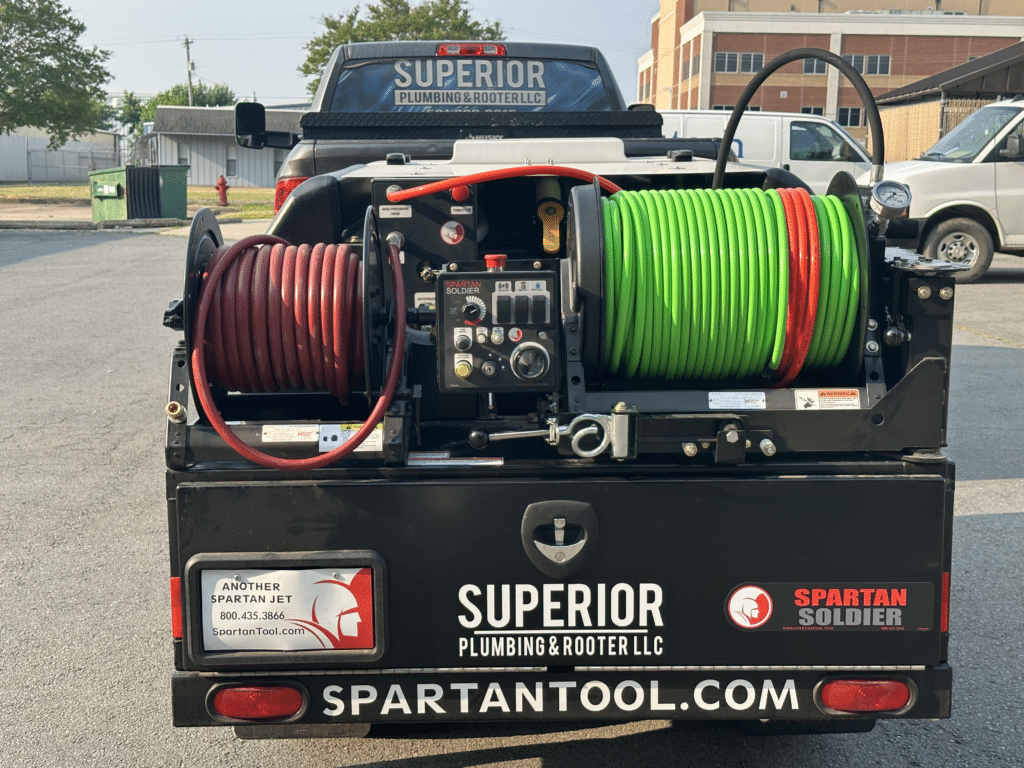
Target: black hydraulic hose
{"points": [[870, 108]]}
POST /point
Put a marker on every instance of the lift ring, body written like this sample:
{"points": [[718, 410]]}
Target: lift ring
{"points": [[595, 428]]}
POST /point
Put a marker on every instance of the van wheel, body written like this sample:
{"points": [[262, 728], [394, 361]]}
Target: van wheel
{"points": [[961, 241]]}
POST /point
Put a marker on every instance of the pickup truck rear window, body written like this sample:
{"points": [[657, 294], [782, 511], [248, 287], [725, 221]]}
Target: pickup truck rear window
{"points": [[474, 84]]}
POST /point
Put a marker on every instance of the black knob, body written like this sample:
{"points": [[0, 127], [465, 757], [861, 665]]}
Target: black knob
{"points": [[471, 311], [464, 342]]}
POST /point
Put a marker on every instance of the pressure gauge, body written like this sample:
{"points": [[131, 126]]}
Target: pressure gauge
{"points": [[890, 199]]}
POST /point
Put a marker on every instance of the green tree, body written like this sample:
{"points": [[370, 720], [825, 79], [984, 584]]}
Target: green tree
{"points": [[203, 95], [395, 20], [47, 79], [130, 113]]}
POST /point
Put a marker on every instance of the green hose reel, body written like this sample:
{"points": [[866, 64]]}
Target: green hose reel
{"points": [[694, 285]]}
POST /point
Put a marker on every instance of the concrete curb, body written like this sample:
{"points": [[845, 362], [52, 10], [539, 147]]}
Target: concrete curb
{"points": [[87, 225], [114, 224]]}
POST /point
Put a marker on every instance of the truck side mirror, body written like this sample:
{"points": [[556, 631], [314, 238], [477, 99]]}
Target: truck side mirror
{"points": [[1012, 149], [251, 124]]}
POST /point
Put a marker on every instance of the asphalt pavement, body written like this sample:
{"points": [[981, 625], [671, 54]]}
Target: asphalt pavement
{"points": [[85, 648]]}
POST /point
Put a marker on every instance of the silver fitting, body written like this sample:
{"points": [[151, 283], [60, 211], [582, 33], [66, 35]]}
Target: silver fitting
{"points": [[768, 447]]}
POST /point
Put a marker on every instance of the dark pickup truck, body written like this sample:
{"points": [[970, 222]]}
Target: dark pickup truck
{"points": [[417, 98]]}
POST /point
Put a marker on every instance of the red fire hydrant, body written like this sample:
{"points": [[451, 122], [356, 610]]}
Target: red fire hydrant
{"points": [[222, 190]]}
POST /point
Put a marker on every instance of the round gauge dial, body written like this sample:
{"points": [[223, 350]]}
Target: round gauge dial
{"points": [[890, 199]]}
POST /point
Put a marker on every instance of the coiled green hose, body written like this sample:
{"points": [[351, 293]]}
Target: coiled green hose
{"points": [[697, 284]]}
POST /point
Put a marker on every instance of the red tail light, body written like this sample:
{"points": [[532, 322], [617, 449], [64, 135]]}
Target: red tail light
{"points": [[944, 607], [470, 49], [865, 695], [176, 607], [284, 188], [257, 702]]}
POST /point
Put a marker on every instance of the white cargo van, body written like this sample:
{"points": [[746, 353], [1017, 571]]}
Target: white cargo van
{"points": [[967, 192], [813, 148]]}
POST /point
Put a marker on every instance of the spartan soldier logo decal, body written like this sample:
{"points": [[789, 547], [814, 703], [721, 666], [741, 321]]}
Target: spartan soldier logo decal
{"points": [[749, 607]]}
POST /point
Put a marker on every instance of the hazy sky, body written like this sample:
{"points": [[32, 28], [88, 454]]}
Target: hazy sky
{"points": [[257, 45]]}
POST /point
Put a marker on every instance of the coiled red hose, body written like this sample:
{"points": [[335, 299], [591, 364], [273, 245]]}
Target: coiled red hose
{"points": [[286, 317], [804, 281]]}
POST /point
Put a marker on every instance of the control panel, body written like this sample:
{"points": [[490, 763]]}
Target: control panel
{"points": [[498, 332]]}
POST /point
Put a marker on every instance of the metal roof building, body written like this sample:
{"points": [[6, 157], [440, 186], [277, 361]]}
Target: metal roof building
{"points": [[203, 138], [918, 114]]}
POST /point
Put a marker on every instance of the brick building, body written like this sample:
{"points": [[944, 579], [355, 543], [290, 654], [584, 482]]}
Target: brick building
{"points": [[704, 52]]}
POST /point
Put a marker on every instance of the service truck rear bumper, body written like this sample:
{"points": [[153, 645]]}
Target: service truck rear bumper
{"points": [[677, 595], [712, 693]]}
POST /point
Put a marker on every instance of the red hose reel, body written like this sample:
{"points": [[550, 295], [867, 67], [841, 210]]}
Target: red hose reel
{"points": [[267, 316]]}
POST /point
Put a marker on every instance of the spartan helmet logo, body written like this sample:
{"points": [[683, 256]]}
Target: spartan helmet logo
{"points": [[749, 607], [334, 616]]}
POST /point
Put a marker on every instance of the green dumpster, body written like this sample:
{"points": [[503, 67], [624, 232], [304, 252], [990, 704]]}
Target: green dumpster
{"points": [[173, 191], [139, 192], [106, 188]]}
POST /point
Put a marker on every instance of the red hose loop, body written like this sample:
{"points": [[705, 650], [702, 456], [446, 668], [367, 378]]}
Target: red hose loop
{"points": [[810, 314], [504, 173], [260, 320], [797, 259], [349, 350], [805, 283]]}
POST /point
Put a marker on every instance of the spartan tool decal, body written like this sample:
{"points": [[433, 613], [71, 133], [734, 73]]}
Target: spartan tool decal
{"points": [[288, 610], [844, 607]]}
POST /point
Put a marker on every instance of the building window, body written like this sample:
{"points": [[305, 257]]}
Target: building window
{"points": [[726, 62], [738, 62], [812, 110], [751, 62], [183, 154], [856, 61], [231, 160], [878, 65], [695, 65], [723, 107], [849, 116], [814, 66]]}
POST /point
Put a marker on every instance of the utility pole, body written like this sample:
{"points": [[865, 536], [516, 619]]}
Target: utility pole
{"points": [[188, 68]]}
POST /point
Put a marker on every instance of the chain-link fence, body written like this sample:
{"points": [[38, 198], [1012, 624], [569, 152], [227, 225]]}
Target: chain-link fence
{"points": [[67, 165]]}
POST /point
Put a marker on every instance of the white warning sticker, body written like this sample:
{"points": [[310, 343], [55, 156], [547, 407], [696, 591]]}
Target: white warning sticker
{"points": [[827, 399], [290, 433], [737, 401], [335, 435]]}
